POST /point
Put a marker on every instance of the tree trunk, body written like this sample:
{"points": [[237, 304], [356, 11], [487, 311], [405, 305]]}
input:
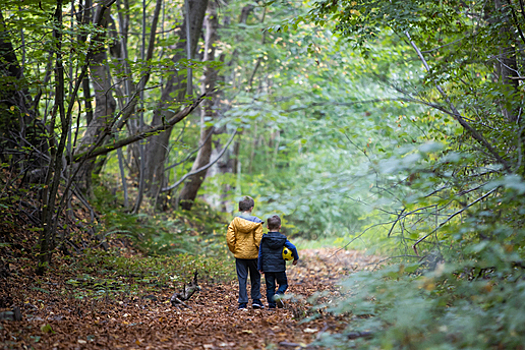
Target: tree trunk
{"points": [[506, 65], [228, 163], [85, 18], [105, 106], [191, 187], [54, 172], [18, 122], [174, 91]]}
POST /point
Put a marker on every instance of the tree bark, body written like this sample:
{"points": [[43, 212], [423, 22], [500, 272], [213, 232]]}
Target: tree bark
{"points": [[506, 64], [105, 149], [54, 172], [105, 106], [85, 17], [174, 91], [18, 122], [192, 186]]}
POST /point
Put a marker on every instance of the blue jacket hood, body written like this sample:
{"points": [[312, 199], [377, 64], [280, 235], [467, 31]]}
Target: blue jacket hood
{"points": [[274, 240]]}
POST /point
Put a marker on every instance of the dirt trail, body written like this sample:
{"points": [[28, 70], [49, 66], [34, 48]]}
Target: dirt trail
{"points": [[213, 322]]}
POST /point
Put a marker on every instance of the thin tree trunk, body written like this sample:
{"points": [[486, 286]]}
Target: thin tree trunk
{"points": [[17, 117], [174, 91], [105, 106], [123, 177], [142, 161], [47, 235], [192, 186], [87, 17], [116, 49], [506, 65]]}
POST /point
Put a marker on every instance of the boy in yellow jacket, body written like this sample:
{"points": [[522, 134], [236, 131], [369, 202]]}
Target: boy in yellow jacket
{"points": [[243, 237]]}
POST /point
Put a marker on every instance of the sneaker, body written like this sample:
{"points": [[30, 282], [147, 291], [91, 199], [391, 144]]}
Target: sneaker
{"points": [[279, 300], [242, 306], [257, 304]]}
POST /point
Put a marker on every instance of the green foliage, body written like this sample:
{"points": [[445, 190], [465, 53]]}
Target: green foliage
{"points": [[439, 309], [307, 138], [172, 247], [446, 193], [108, 274], [200, 232]]}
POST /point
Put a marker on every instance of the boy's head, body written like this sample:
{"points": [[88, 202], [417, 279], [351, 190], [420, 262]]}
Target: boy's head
{"points": [[274, 223], [246, 204]]}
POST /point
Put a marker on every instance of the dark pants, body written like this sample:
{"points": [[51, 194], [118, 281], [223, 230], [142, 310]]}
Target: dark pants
{"points": [[243, 265], [271, 278]]}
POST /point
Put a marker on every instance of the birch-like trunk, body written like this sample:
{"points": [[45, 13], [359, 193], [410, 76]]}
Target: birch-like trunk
{"points": [[506, 65], [191, 187]]}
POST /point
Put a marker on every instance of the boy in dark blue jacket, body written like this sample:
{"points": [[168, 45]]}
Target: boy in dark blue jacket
{"points": [[271, 262]]}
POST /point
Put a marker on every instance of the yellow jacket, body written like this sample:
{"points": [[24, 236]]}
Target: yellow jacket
{"points": [[244, 236]]}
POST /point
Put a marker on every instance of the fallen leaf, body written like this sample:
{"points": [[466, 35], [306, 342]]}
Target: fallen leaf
{"points": [[46, 328], [231, 345], [310, 330]]}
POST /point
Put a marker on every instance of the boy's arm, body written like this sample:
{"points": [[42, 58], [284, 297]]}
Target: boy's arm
{"points": [[230, 237], [290, 246], [258, 235], [259, 260]]}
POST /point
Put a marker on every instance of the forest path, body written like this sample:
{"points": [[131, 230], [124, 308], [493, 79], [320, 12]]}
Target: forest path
{"points": [[56, 321]]}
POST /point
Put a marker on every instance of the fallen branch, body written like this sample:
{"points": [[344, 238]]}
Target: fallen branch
{"points": [[187, 292], [355, 335]]}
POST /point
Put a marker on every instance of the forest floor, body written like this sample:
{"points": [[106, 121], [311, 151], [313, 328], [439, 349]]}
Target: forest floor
{"points": [[53, 319]]}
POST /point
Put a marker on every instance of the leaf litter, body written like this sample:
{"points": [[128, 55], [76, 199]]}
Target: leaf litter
{"points": [[54, 317]]}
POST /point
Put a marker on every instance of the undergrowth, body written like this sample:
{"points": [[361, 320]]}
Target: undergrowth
{"points": [[148, 252], [199, 232], [97, 274], [119, 252]]}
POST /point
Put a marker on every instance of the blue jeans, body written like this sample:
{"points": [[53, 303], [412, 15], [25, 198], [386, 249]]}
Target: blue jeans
{"points": [[243, 266], [271, 278]]}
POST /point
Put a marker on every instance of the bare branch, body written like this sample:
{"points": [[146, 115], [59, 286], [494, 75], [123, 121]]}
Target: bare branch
{"points": [[190, 154], [359, 236], [353, 103], [458, 115], [141, 135], [451, 217], [201, 168]]}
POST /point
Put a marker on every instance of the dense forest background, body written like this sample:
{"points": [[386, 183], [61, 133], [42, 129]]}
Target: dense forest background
{"points": [[391, 126]]}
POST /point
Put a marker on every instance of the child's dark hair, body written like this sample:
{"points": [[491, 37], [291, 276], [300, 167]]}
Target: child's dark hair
{"points": [[274, 222], [246, 203]]}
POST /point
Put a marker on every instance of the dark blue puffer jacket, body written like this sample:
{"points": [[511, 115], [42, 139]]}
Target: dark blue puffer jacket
{"points": [[271, 252]]}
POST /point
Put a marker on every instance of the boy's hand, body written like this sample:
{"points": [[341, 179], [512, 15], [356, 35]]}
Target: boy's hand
{"points": [[261, 272], [294, 262]]}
